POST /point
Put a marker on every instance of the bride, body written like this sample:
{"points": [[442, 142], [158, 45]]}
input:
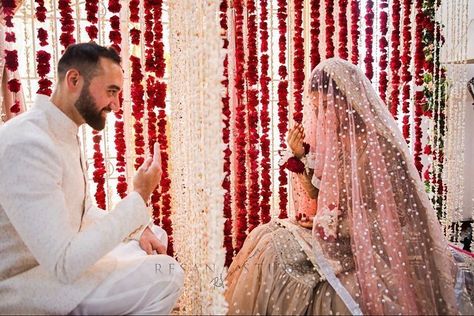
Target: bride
{"points": [[367, 241]]}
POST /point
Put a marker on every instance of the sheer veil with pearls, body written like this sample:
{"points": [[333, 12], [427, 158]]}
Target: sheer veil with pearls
{"points": [[376, 235]]}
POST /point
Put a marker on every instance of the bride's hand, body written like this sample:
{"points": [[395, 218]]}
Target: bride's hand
{"points": [[295, 140], [305, 221]]}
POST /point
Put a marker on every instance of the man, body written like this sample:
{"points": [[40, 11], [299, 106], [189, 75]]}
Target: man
{"points": [[59, 253]]}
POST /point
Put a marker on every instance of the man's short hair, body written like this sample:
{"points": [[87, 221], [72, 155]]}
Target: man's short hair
{"points": [[85, 58]]}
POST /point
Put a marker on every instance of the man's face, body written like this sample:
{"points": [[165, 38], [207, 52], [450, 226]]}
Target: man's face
{"points": [[101, 95]]}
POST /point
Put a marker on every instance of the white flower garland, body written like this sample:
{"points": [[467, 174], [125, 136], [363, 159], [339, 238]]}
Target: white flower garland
{"points": [[196, 155]]}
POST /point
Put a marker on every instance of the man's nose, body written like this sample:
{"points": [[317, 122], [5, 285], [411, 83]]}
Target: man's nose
{"points": [[115, 104]]}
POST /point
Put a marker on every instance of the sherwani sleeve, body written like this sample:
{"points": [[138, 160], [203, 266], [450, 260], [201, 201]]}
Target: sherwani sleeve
{"points": [[93, 213], [32, 196]]}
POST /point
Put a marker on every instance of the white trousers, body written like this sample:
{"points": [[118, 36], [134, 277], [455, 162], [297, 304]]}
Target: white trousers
{"points": [[141, 283]]}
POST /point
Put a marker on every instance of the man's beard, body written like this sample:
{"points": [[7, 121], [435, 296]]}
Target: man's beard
{"points": [[87, 108]]}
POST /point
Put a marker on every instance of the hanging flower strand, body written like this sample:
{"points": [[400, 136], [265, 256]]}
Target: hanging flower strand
{"points": [[298, 62], [252, 106], [406, 75], [355, 33], [282, 104], [115, 37], [227, 208], [43, 58], [383, 47], [241, 129], [343, 52], [330, 28], [369, 31], [265, 165], [11, 55], [395, 63], [314, 33]]}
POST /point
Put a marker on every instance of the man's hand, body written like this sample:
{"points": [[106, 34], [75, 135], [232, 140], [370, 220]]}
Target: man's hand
{"points": [[150, 243], [295, 140], [148, 175]]}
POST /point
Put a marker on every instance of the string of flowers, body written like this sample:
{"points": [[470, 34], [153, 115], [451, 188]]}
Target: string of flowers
{"points": [[298, 62], [434, 88], [265, 165], [314, 33], [419, 95], [227, 207], [91, 15], [240, 124], [282, 104], [395, 62], [160, 90], [98, 175], [11, 56], [137, 109], [369, 31], [343, 51], [383, 46], [355, 33], [115, 37], [330, 28], [252, 108], [406, 74], [42, 57], [67, 23], [137, 91]]}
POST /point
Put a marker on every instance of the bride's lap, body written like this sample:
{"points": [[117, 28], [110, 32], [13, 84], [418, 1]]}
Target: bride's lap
{"points": [[273, 275]]}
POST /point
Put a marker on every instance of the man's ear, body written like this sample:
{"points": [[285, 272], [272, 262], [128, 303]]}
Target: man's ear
{"points": [[73, 79]]}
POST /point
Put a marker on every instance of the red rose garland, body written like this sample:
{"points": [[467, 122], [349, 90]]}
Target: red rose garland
{"points": [[343, 52], [265, 164], [419, 95], [330, 28], [252, 108], [241, 130], [67, 23], [406, 75], [395, 62], [137, 109], [99, 172], [282, 104], [115, 37], [369, 31], [383, 47], [11, 56], [227, 210], [98, 175], [92, 6], [355, 33], [42, 57], [314, 33], [298, 62], [160, 95]]}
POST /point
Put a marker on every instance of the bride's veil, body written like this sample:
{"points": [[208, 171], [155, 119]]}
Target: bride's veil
{"points": [[376, 236]]}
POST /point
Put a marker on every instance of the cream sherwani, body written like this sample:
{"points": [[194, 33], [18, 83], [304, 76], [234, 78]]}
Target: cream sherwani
{"points": [[56, 248]]}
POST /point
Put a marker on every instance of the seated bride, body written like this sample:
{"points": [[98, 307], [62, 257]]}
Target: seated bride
{"points": [[366, 239]]}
